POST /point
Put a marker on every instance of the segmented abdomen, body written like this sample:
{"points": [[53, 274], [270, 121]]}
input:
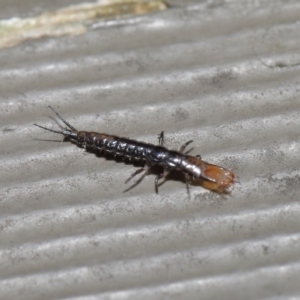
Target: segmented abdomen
{"points": [[128, 148]]}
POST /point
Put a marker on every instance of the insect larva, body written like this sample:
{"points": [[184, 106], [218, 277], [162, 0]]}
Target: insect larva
{"points": [[193, 167]]}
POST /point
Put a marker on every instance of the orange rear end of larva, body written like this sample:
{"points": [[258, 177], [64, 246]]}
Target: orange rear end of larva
{"points": [[220, 176]]}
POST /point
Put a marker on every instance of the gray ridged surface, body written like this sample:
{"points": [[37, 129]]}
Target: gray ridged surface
{"points": [[224, 74]]}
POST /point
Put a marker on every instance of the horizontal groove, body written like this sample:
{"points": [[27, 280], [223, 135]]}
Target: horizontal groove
{"points": [[98, 278], [123, 215], [180, 86], [167, 21], [226, 283]]}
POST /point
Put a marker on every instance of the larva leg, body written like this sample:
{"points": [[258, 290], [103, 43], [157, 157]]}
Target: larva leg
{"points": [[160, 176], [161, 139], [138, 171], [188, 184], [140, 179], [182, 148]]}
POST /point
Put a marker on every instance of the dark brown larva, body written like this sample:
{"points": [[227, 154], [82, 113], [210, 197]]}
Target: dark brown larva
{"points": [[193, 167]]}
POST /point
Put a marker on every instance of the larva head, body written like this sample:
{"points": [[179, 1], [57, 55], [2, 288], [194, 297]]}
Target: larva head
{"points": [[81, 137], [220, 178], [89, 139]]}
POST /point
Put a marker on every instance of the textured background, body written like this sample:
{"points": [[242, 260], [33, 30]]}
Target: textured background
{"points": [[223, 73]]}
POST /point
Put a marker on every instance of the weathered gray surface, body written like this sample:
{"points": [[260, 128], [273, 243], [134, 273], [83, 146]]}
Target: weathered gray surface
{"points": [[197, 71]]}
